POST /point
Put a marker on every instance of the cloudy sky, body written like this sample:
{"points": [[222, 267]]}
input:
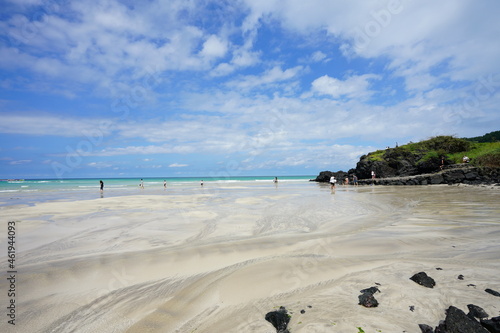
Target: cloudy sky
{"points": [[105, 88]]}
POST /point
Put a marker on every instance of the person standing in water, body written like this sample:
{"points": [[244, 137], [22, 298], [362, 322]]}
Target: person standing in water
{"points": [[141, 185], [102, 185], [201, 183], [164, 184], [332, 182]]}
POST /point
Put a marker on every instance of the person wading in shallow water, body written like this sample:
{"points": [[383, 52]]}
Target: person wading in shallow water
{"points": [[102, 185], [355, 180], [332, 182]]}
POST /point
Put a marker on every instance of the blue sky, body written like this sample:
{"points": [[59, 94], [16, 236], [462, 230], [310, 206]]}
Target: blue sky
{"points": [[106, 88]]}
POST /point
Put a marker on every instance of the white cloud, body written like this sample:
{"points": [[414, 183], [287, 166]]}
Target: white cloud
{"points": [[352, 87], [271, 76], [214, 47], [242, 57], [108, 39], [414, 35], [145, 150], [18, 162], [319, 56], [54, 125], [100, 165], [178, 165]]}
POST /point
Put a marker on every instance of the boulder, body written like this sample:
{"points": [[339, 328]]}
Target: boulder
{"points": [[492, 292], [492, 325], [454, 177], [367, 299], [436, 179], [425, 328], [279, 319], [424, 280], [471, 175], [476, 312], [458, 322]]}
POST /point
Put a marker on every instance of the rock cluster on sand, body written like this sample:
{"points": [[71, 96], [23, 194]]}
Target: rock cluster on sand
{"points": [[457, 321], [452, 174]]}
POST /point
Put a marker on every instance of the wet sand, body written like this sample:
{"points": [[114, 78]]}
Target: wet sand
{"points": [[218, 260]]}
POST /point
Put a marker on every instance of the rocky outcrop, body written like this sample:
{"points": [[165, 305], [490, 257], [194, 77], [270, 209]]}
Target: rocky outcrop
{"points": [[451, 174], [395, 162], [434, 156], [324, 176]]}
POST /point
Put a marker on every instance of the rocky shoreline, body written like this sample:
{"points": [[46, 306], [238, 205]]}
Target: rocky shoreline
{"points": [[455, 321], [451, 174]]}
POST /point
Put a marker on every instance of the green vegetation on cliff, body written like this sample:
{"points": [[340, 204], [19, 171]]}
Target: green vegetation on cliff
{"points": [[427, 156], [431, 156]]}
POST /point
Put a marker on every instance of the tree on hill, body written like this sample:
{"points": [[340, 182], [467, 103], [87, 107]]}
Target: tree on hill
{"points": [[489, 137]]}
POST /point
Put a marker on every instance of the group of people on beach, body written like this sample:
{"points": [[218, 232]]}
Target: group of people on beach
{"points": [[333, 181]]}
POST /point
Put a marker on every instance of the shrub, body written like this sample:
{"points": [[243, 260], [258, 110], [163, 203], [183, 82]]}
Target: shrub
{"points": [[447, 144], [491, 160]]}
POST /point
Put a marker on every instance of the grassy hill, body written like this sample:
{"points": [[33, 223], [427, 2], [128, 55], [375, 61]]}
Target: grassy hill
{"points": [[427, 155]]}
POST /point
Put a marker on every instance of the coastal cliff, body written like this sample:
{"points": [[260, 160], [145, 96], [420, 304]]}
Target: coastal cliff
{"points": [[438, 160]]}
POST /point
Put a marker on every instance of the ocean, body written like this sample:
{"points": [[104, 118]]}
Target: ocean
{"points": [[39, 190]]}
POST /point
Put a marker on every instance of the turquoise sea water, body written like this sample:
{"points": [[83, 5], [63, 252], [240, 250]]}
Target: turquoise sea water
{"points": [[33, 190]]}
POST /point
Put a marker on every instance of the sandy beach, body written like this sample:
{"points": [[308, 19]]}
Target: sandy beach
{"points": [[217, 260]]}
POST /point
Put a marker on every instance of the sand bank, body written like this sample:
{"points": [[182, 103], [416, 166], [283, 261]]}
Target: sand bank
{"points": [[218, 261]]}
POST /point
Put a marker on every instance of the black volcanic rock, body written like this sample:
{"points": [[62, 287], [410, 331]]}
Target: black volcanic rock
{"points": [[279, 319], [492, 292], [492, 325], [371, 290], [424, 280], [425, 328], [457, 322], [367, 299], [324, 176], [476, 312]]}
